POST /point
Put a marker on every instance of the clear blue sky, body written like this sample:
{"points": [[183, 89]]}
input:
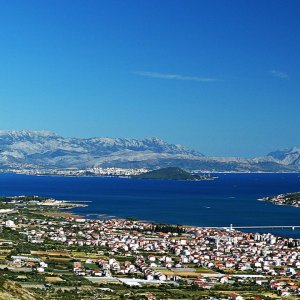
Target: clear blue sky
{"points": [[222, 77]]}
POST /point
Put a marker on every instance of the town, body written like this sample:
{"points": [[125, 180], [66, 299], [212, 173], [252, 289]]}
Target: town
{"points": [[292, 199], [95, 171], [52, 253]]}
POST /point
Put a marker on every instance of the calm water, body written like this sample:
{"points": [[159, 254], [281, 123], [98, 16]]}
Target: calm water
{"points": [[232, 198]]}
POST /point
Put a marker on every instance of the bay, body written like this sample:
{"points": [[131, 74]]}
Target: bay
{"points": [[230, 199]]}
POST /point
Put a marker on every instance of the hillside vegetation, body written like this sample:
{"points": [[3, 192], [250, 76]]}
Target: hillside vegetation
{"points": [[11, 290], [171, 173]]}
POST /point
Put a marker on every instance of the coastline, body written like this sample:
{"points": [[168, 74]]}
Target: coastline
{"points": [[173, 202], [288, 199], [133, 177], [250, 230]]}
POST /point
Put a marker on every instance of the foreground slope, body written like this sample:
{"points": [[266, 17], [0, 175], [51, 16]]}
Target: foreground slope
{"points": [[11, 290]]}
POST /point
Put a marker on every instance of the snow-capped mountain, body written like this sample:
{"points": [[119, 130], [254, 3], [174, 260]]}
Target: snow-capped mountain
{"points": [[46, 150], [289, 157], [42, 149]]}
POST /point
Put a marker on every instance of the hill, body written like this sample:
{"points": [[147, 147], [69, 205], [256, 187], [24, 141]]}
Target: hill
{"points": [[171, 173], [11, 290]]}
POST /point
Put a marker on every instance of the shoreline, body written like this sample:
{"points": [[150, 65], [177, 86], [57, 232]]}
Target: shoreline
{"points": [[273, 231], [288, 199], [132, 177], [194, 213]]}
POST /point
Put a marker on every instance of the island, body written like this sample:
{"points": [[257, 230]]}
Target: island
{"points": [[172, 173], [292, 199]]}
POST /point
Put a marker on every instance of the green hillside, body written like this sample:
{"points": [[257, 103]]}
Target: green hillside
{"points": [[170, 173]]}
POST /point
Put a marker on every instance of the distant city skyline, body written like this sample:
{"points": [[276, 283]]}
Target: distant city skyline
{"points": [[220, 77]]}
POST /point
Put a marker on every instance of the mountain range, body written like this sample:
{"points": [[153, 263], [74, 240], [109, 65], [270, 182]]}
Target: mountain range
{"points": [[46, 150]]}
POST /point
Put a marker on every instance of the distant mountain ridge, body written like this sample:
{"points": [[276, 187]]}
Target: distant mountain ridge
{"points": [[46, 150], [287, 156], [42, 149]]}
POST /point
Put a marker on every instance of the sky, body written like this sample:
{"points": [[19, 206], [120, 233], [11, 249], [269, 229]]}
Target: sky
{"points": [[221, 77]]}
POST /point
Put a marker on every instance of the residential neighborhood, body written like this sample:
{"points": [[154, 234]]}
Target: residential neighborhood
{"points": [[136, 254]]}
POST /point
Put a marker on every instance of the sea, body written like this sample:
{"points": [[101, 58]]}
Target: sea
{"points": [[229, 199]]}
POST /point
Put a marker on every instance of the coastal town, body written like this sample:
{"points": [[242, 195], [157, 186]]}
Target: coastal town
{"points": [[95, 171], [292, 199], [51, 253]]}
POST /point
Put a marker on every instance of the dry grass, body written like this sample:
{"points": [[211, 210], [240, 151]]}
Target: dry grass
{"points": [[84, 256], [205, 271], [187, 273], [53, 279], [179, 273], [58, 258], [51, 253]]}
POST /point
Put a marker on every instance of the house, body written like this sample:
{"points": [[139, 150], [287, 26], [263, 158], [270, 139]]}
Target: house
{"points": [[10, 224], [224, 279], [284, 293], [150, 297], [236, 297]]}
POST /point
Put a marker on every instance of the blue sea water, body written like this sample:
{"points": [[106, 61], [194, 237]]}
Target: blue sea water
{"points": [[230, 199]]}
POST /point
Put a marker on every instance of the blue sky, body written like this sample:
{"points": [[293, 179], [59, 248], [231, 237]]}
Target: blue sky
{"points": [[221, 77]]}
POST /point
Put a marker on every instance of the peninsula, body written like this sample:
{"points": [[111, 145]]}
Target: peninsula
{"points": [[292, 199]]}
